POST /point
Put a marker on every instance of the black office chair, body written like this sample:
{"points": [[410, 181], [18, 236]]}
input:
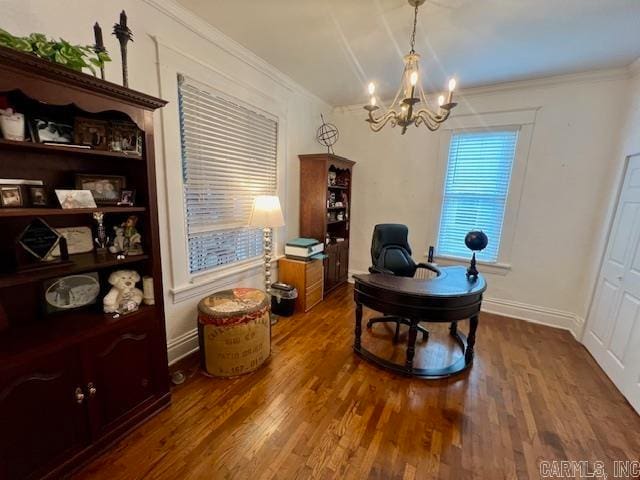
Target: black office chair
{"points": [[391, 254]]}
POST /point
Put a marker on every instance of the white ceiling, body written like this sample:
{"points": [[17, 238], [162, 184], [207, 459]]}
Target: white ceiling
{"points": [[334, 47]]}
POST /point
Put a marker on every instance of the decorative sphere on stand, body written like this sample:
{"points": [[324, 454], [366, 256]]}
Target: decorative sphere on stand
{"points": [[475, 241], [327, 135]]}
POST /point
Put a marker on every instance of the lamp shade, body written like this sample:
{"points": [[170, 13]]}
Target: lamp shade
{"points": [[266, 212]]}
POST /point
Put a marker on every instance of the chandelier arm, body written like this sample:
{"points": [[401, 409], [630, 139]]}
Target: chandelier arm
{"points": [[424, 116], [377, 124]]}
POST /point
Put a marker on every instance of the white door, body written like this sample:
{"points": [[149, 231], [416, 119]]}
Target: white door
{"points": [[612, 333]]}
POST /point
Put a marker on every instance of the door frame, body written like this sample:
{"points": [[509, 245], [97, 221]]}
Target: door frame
{"points": [[612, 211]]}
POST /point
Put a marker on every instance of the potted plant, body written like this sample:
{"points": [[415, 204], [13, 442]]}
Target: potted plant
{"points": [[75, 57]]}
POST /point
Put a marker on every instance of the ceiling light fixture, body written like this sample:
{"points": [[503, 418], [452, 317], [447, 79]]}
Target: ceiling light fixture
{"points": [[404, 109]]}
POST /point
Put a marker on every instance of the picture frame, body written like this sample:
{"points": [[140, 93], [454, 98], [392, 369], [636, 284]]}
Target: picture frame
{"points": [[70, 292], [38, 196], [11, 196], [44, 130], [125, 137], [127, 198], [79, 240], [106, 189], [39, 239], [70, 199], [91, 132]]}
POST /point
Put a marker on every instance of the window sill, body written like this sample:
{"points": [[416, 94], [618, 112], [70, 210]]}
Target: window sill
{"points": [[204, 283], [483, 267]]}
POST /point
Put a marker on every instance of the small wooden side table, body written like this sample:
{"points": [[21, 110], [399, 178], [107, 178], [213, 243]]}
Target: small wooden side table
{"points": [[307, 277]]}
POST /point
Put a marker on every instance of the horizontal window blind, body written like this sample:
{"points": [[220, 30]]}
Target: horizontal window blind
{"points": [[229, 153], [475, 190]]}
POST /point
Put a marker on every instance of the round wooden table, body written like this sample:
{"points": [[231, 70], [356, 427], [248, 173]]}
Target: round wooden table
{"points": [[449, 298]]}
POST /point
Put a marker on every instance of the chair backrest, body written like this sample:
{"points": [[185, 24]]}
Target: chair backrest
{"points": [[390, 249]]}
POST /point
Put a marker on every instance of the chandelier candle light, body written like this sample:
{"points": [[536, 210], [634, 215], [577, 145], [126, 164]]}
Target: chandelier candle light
{"points": [[404, 110], [266, 213]]}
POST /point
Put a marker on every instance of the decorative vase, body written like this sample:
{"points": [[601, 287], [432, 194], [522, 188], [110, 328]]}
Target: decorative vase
{"points": [[12, 125]]}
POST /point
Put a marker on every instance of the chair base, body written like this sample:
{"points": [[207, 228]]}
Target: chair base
{"points": [[398, 321]]}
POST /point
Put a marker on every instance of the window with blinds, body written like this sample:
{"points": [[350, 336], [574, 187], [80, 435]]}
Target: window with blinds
{"points": [[475, 190], [228, 158]]}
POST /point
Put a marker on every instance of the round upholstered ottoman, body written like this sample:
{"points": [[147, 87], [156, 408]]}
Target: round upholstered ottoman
{"points": [[234, 331]]}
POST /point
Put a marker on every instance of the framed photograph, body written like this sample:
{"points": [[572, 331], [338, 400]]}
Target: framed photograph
{"points": [[38, 196], [127, 198], [75, 199], [70, 292], [106, 189], [93, 133], [50, 131], [125, 137], [11, 196]]}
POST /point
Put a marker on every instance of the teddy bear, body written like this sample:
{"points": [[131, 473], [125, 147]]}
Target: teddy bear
{"points": [[123, 297]]}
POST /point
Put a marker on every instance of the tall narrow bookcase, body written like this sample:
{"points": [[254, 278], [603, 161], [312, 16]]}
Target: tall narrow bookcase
{"points": [[325, 210], [73, 381]]}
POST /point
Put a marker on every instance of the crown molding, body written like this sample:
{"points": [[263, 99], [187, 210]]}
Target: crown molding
{"points": [[208, 32], [591, 76]]}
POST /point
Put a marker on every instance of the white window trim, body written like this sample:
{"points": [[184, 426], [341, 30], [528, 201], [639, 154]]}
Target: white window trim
{"points": [[524, 121], [171, 62]]}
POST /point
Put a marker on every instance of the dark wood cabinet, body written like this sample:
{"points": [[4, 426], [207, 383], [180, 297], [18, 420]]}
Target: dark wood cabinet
{"points": [[74, 381], [325, 210], [123, 378], [43, 416]]}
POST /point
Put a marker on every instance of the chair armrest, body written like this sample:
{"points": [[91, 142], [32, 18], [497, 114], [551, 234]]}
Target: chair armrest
{"points": [[375, 269], [430, 266]]}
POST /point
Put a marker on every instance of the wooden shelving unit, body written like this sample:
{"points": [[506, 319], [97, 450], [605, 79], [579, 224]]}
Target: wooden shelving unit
{"points": [[53, 212], [76, 379], [317, 214], [10, 145]]}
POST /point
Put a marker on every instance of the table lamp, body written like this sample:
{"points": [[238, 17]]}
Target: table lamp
{"points": [[267, 214]]}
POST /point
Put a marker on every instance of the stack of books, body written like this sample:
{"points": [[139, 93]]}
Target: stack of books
{"points": [[305, 249]]}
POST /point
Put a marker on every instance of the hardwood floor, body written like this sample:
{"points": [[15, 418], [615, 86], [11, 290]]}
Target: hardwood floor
{"points": [[318, 411]]}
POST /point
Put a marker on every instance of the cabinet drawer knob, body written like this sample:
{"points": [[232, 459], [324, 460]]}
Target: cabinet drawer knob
{"points": [[91, 388], [79, 395]]}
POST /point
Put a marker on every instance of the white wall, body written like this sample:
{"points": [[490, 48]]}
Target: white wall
{"points": [[73, 20], [572, 164]]}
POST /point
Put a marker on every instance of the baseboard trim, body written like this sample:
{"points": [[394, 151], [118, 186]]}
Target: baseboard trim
{"points": [[182, 346], [549, 317]]}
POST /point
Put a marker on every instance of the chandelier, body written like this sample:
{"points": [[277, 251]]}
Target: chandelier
{"points": [[410, 105]]}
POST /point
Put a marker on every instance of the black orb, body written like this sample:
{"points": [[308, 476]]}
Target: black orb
{"points": [[476, 240]]}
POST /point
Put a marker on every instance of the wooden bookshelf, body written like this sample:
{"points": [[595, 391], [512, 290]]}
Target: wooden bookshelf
{"points": [[78, 379], [318, 218]]}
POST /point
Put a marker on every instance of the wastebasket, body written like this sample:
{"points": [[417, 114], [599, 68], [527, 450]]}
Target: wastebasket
{"points": [[283, 299]]}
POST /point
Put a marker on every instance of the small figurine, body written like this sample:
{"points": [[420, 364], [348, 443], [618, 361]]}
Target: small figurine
{"points": [[123, 297], [133, 239], [101, 240], [119, 244]]}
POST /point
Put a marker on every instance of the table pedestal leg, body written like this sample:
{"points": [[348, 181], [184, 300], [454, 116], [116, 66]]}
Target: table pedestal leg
{"points": [[358, 330], [471, 340], [453, 328], [411, 345]]}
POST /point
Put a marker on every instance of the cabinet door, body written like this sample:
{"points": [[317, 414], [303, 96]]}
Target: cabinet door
{"points": [[343, 262], [330, 267], [123, 371], [43, 420]]}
